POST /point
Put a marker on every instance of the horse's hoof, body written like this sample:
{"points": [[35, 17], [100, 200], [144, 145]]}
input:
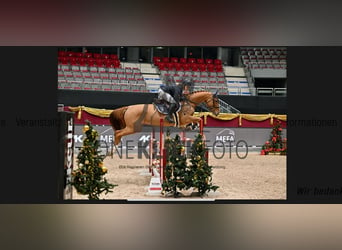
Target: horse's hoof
{"points": [[194, 126]]}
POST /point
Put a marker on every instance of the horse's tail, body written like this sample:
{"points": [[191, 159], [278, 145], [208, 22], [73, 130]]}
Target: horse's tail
{"points": [[117, 119]]}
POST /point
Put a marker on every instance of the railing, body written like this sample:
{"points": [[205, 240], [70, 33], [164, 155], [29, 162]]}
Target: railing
{"points": [[258, 91], [226, 108], [271, 91]]}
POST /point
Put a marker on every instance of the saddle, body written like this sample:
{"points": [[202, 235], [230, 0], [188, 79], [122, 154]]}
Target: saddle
{"points": [[163, 106]]}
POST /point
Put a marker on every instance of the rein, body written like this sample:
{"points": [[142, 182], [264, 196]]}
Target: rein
{"points": [[198, 103]]}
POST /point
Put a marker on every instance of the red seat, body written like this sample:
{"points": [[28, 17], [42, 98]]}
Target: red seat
{"points": [[218, 68], [113, 57], [70, 54], [195, 68], [116, 63], [200, 60], [73, 60], [162, 66], [96, 55], [63, 60], [174, 60], [217, 61], [182, 60], [79, 54], [191, 60], [178, 66], [209, 61], [156, 60], [211, 67], [186, 67], [105, 56], [62, 54], [88, 55], [170, 66], [165, 59], [91, 61], [203, 67], [99, 62]]}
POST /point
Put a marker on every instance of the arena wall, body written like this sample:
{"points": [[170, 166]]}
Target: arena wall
{"points": [[112, 100]]}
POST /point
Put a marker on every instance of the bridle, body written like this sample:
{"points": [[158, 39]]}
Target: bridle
{"points": [[214, 99]]}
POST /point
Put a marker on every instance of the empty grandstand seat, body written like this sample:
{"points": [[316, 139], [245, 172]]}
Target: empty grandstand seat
{"points": [[77, 73], [107, 86], [93, 68], [186, 67], [194, 66], [212, 74], [200, 60], [96, 56], [79, 54], [262, 66], [213, 80], [203, 67], [161, 66], [86, 74], [253, 58], [191, 60], [113, 75], [68, 73], [178, 67], [70, 54], [174, 59], [265, 52], [195, 74], [204, 80], [105, 56], [104, 75], [61, 54], [156, 60], [221, 81], [211, 67], [267, 58], [209, 61], [217, 61], [268, 66], [170, 66], [60, 73], [182, 60], [204, 74], [114, 57], [95, 75], [277, 66], [88, 55], [165, 59], [219, 68]]}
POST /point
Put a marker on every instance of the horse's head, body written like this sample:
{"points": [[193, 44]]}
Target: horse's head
{"points": [[209, 99], [213, 104]]}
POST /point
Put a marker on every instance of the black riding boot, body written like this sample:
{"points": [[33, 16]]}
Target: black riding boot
{"points": [[172, 109]]}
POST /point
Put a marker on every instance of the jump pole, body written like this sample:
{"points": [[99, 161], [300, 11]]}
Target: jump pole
{"points": [[203, 137], [152, 155], [162, 151], [155, 187]]}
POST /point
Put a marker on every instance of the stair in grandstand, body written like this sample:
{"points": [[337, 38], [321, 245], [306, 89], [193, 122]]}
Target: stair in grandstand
{"points": [[226, 108]]}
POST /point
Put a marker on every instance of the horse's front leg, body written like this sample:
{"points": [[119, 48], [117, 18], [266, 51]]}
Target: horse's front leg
{"points": [[192, 122]]}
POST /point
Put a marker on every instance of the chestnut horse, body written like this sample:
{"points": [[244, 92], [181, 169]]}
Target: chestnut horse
{"points": [[130, 119]]}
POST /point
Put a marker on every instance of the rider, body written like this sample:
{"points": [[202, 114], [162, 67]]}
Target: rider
{"points": [[173, 94]]}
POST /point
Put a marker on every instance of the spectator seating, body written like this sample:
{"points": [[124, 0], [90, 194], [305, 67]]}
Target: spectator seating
{"points": [[93, 71], [264, 58]]}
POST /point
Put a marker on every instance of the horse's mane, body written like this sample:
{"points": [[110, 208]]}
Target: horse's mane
{"points": [[199, 91]]}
